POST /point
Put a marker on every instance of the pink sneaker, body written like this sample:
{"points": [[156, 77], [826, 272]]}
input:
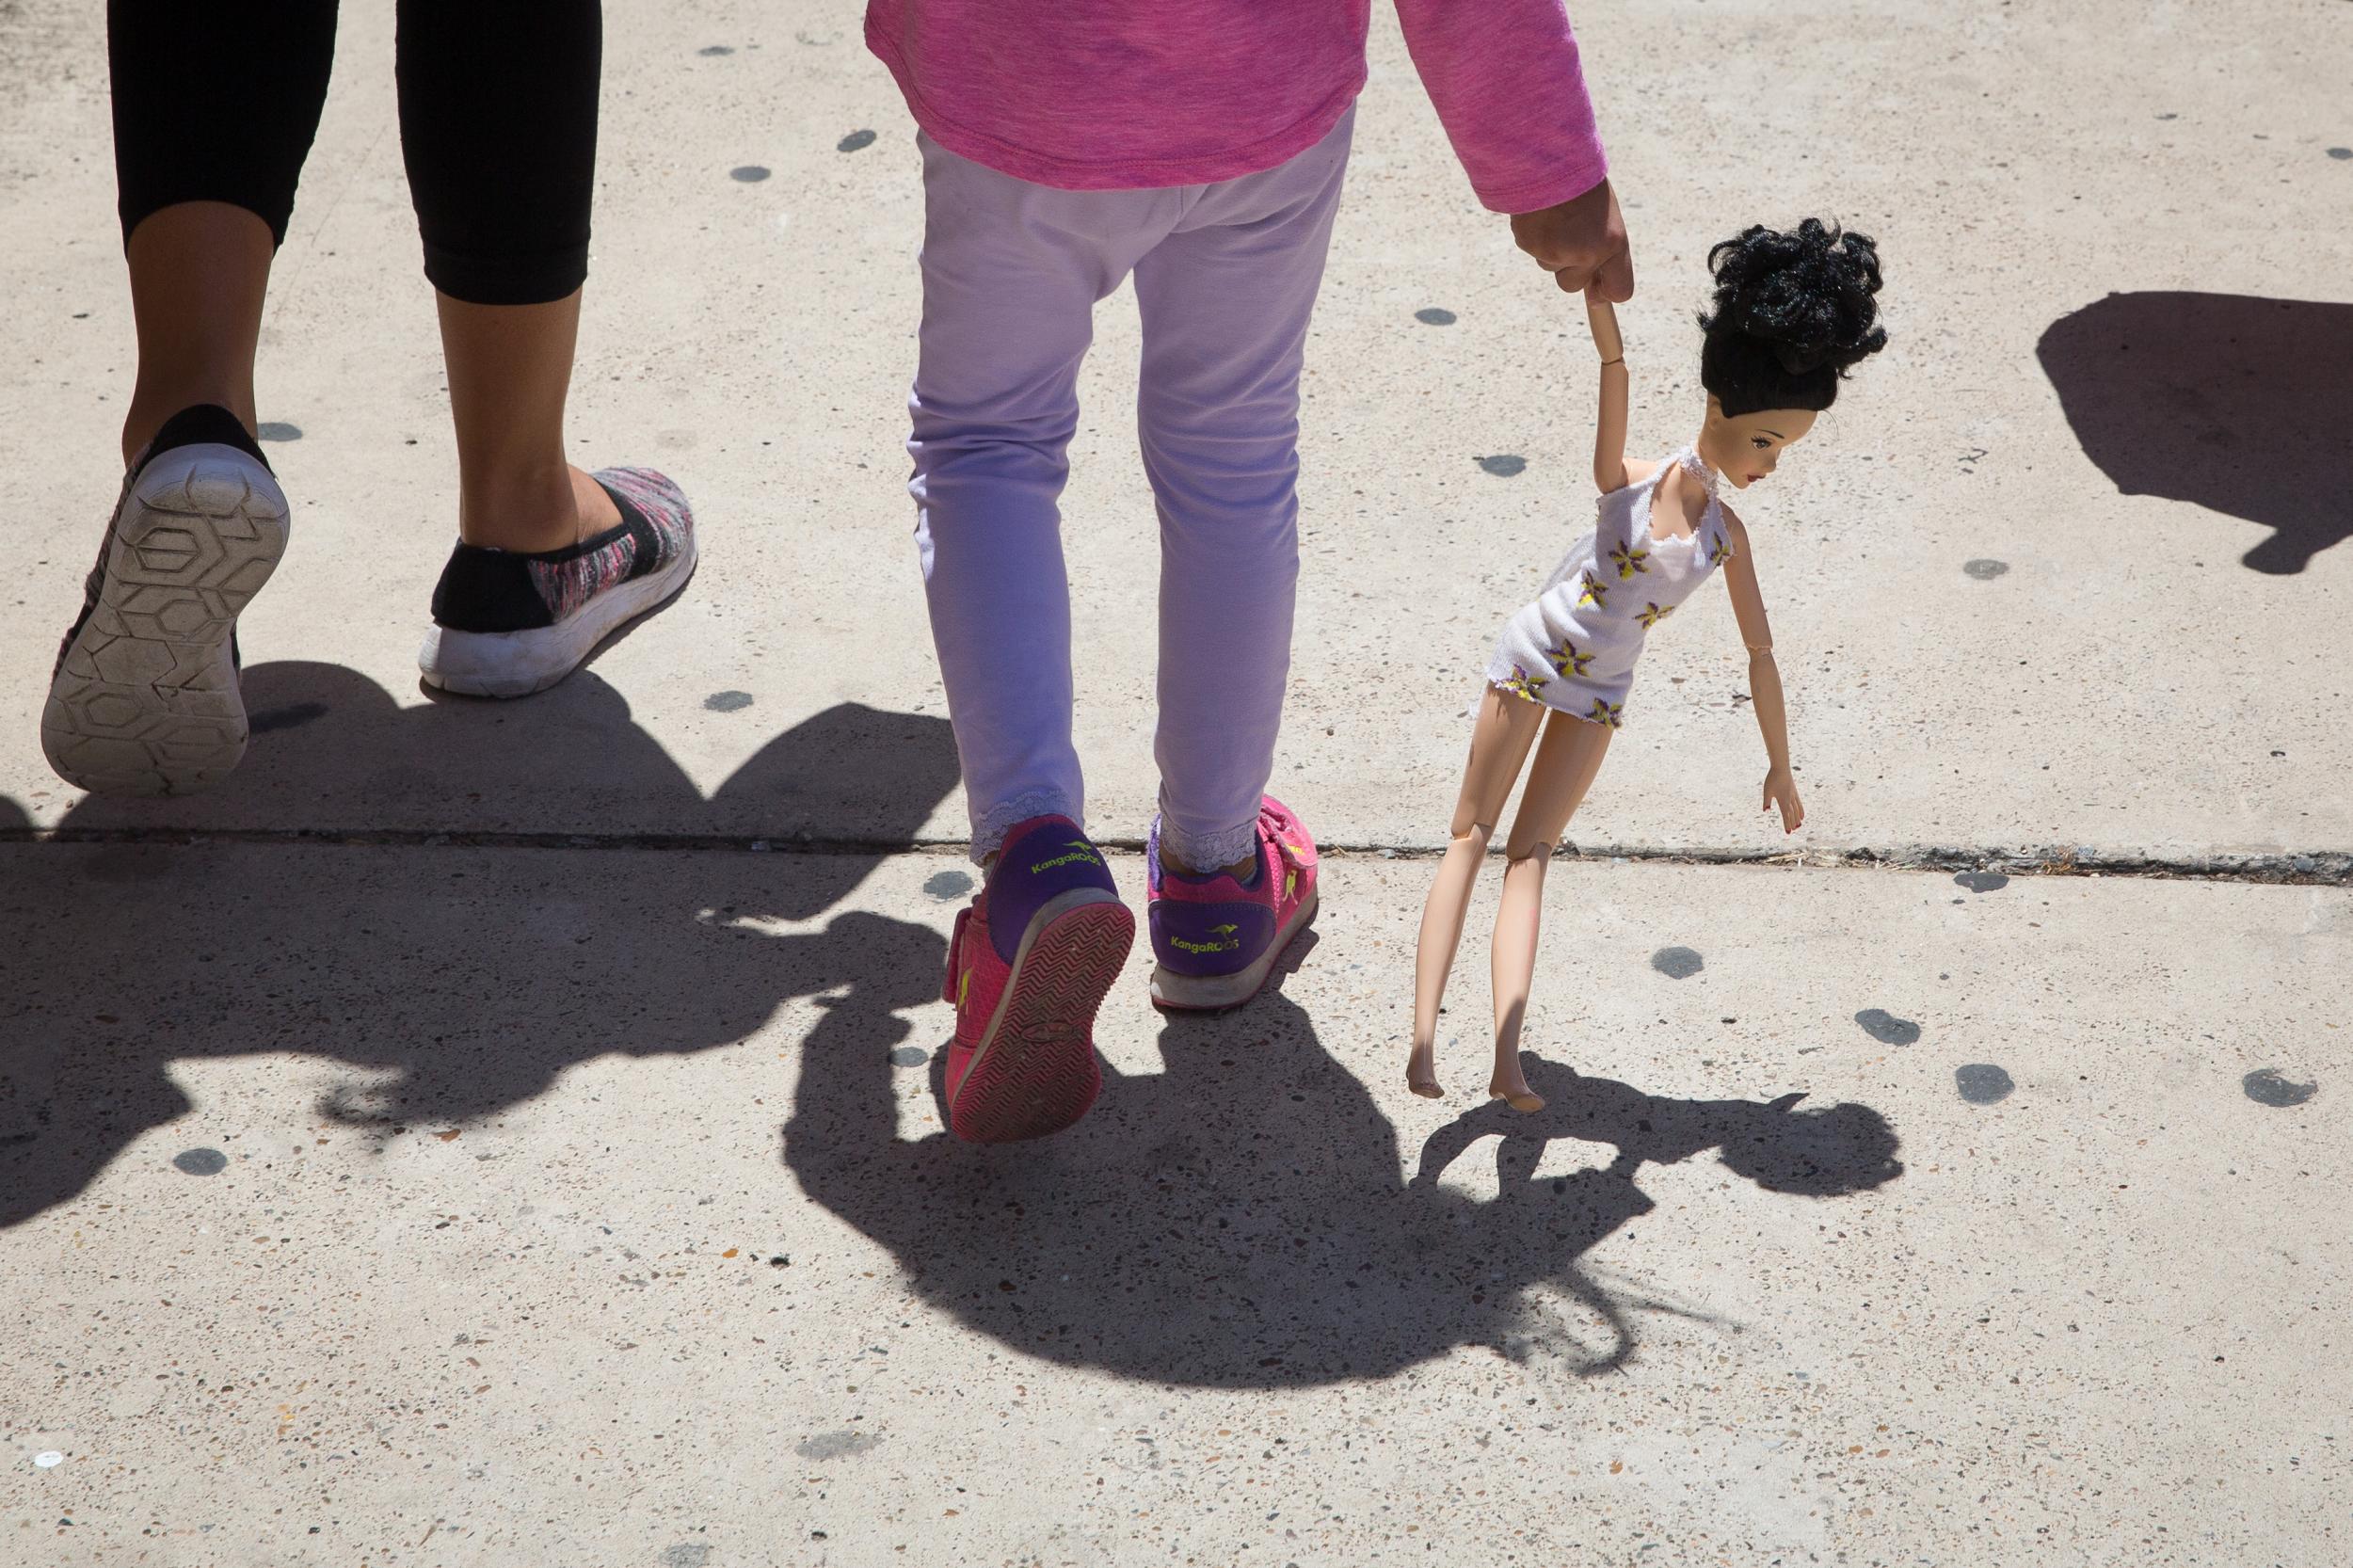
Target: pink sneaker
{"points": [[1217, 941], [1030, 963]]}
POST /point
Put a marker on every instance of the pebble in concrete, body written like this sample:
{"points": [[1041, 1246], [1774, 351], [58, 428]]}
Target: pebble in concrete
{"points": [[1982, 882], [1503, 465], [1985, 568], [834, 1445], [2341, 153], [750, 174], [854, 140], [2268, 1086], [1434, 315], [715, 49], [206, 1161], [909, 1056], [686, 1553], [1678, 962], [1887, 1029], [1982, 1082], [277, 430], [728, 702], [948, 885]]}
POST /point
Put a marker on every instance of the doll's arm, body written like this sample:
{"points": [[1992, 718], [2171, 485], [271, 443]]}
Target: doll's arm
{"points": [[1609, 429], [1772, 717]]}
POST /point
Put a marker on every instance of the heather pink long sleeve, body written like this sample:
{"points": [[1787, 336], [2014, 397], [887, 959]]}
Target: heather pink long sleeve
{"points": [[1128, 94], [1511, 94]]}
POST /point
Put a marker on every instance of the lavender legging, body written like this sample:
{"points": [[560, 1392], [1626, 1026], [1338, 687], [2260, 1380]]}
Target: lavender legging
{"points": [[1226, 278]]}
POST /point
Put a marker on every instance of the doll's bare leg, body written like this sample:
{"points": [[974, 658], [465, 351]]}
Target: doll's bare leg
{"points": [[1500, 744], [1565, 765]]}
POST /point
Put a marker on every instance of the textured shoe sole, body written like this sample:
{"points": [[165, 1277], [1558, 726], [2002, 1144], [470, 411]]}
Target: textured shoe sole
{"points": [[146, 701], [1035, 1071], [516, 663], [1216, 993]]}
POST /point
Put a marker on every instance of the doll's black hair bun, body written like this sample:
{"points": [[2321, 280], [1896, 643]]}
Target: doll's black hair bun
{"points": [[1804, 293]]}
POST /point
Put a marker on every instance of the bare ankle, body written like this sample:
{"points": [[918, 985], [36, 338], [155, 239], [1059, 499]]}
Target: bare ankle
{"points": [[535, 511]]}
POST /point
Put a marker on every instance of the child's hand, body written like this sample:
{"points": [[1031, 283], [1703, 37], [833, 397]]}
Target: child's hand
{"points": [[1782, 790], [1582, 243]]}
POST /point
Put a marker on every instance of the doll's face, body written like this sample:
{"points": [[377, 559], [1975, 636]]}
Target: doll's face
{"points": [[1746, 449]]}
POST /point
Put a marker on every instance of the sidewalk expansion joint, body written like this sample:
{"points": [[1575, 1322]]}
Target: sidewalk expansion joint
{"points": [[2325, 868]]}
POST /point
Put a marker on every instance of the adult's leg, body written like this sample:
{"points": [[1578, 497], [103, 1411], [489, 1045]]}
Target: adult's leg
{"points": [[1010, 275], [1566, 760], [1225, 300], [498, 128], [215, 107], [1499, 741]]}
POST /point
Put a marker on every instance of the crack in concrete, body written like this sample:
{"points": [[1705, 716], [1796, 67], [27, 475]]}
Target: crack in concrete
{"points": [[2331, 868]]}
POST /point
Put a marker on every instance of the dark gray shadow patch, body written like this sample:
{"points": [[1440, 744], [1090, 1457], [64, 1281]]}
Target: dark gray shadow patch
{"points": [[1503, 465], [728, 702], [686, 1553], [2267, 1086], [1982, 1082], [201, 1161], [277, 430], [294, 715], [750, 174], [1982, 882], [1678, 962], [2341, 153], [714, 50], [948, 885], [1887, 1029], [1434, 315], [909, 1056], [854, 140], [834, 1445], [1985, 568]]}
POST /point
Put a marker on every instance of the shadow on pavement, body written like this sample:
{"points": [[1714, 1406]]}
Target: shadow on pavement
{"points": [[457, 985], [2237, 404], [1237, 1219]]}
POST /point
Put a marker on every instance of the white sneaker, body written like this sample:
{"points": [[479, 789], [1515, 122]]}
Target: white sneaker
{"points": [[144, 700]]}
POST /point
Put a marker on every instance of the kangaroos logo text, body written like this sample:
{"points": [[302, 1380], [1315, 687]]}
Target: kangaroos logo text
{"points": [[1081, 852], [1226, 942]]}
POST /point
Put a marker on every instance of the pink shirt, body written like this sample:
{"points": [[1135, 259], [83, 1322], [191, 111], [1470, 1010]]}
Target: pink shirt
{"points": [[1125, 94]]}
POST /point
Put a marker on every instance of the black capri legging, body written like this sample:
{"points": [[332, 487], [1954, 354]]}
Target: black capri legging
{"points": [[219, 101]]}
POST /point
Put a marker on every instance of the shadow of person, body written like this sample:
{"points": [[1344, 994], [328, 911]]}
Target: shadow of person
{"points": [[453, 985], [1239, 1219], [2234, 403]]}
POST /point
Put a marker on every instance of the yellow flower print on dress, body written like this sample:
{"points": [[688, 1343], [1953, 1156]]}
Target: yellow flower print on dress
{"points": [[1606, 713], [1655, 613], [1566, 660], [1629, 561], [1522, 685], [1721, 552], [1596, 593]]}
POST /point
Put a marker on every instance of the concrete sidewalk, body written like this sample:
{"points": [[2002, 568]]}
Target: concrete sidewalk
{"points": [[506, 1134], [351, 1220]]}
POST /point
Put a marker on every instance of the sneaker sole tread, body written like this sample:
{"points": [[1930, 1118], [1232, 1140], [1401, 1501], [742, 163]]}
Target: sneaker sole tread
{"points": [[146, 701], [1035, 1071]]}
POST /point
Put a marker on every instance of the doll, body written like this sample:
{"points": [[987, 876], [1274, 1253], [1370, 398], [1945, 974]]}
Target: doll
{"points": [[1793, 311]]}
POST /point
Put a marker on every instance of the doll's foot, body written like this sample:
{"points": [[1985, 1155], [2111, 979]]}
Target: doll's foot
{"points": [[1421, 1076], [1512, 1089]]}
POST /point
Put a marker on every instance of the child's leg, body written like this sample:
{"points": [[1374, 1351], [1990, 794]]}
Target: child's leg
{"points": [[1566, 760], [1507, 725], [1225, 300], [1011, 274]]}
